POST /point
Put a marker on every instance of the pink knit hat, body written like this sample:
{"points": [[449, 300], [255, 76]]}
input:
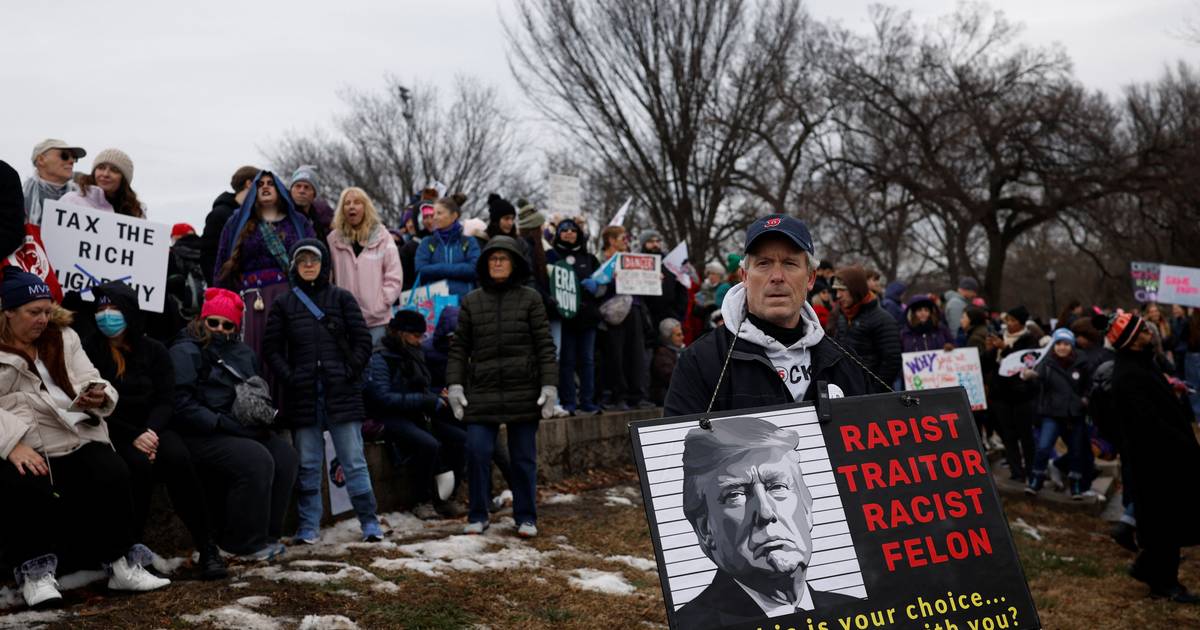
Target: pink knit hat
{"points": [[223, 303]]}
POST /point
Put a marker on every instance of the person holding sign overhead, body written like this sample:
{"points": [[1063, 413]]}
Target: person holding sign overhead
{"points": [[252, 257], [65, 490], [107, 187], [771, 349]]}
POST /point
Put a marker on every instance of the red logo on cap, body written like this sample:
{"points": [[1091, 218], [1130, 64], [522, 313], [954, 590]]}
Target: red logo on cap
{"points": [[772, 222]]}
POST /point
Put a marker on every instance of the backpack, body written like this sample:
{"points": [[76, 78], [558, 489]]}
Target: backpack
{"points": [[187, 284]]}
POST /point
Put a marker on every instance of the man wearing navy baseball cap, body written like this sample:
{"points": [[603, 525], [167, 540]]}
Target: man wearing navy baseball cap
{"points": [[780, 350]]}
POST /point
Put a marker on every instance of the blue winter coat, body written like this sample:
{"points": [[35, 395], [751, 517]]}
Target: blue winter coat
{"points": [[397, 384], [450, 257]]}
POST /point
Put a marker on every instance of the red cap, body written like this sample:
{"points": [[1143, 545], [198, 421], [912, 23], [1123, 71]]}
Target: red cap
{"points": [[181, 229]]}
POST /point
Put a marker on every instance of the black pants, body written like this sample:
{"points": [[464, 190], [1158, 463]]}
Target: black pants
{"points": [[625, 359], [430, 449], [1158, 565], [1015, 422], [172, 465], [88, 523], [254, 479]]}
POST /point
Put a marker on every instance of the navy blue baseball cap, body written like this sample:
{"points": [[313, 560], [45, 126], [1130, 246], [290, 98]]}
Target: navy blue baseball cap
{"points": [[782, 224]]}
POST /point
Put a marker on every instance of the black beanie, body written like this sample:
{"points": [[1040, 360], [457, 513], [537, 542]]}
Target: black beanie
{"points": [[408, 321], [1019, 313], [499, 207]]}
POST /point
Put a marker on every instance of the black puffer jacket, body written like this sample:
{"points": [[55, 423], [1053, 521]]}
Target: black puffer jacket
{"points": [[502, 352], [147, 388], [875, 337], [1062, 388], [204, 391], [300, 350]]}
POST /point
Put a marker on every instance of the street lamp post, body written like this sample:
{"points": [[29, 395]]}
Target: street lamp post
{"points": [[1052, 277]]}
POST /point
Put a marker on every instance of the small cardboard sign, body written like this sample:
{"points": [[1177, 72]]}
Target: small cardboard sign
{"points": [[885, 516], [639, 274], [564, 288], [566, 194], [934, 369], [89, 247]]}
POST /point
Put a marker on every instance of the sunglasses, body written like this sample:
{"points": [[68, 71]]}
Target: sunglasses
{"points": [[217, 324], [67, 156]]}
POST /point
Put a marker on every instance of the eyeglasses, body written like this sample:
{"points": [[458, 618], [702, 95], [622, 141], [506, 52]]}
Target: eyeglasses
{"points": [[569, 229], [217, 324], [67, 156], [308, 260]]}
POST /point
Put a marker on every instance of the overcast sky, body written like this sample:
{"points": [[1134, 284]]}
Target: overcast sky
{"points": [[191, 91]]}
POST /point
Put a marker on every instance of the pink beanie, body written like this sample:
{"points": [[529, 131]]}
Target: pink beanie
{"points": [[223, 303]]}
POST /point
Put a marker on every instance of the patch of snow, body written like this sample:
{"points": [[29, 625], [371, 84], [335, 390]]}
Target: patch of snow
{"points": [[327, 622], [10, 598], [612, 501], [620, 497], [601, 581], [254, 601], [240, 585], [165, 566], [345, 592], [29, 618], [557, 499], [1026, 528], [236, 618], [463, 553], [344, 572], [635, 562]]}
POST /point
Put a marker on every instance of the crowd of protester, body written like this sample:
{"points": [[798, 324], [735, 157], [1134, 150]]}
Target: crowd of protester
{"points": [[283, 321]]}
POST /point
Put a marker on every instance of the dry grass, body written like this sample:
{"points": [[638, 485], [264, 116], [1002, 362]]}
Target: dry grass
{"points": [[1076, 573]]}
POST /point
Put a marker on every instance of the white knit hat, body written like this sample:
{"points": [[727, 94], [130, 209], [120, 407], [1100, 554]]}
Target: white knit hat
{"points": [[117, 158]]}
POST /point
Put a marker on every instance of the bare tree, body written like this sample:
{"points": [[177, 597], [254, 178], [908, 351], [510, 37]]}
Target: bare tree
{"points": [[991, 138], [400, 140], [666, 94]]}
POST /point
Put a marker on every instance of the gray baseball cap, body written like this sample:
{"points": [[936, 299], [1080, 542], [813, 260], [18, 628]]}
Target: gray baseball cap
{"points": [[55, 143]]}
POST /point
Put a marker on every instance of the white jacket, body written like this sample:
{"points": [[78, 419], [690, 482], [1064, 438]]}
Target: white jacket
{"points": [[28, 414]]}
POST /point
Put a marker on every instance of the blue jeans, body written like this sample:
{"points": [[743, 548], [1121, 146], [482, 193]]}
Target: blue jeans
{"points": [[1074, 433], [522, 450], [348, 444], [578, 353]]}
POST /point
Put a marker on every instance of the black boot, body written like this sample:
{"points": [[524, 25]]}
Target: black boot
{"points": [[212, 566]]}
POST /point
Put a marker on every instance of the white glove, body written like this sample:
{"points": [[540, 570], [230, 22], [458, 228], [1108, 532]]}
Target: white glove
{"points": [[458, 400], [548, 400]]}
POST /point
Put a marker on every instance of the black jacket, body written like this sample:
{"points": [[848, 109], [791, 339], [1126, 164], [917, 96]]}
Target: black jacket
{"points": [[751, 380], [1012, 389], [1061, 389], [223, 207], [724, 603], [301, 350], [502, 353], [584, 264], [1159, 448], [398, 384], [875, 337], [204, 391], [147, 389], [12, 210], [672, 302]]}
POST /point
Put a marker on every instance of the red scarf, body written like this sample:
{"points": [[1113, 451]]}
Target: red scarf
{"points": [[852, 312]]}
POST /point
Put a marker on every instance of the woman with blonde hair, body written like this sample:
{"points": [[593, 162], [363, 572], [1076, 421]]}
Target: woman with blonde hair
{"points": [[67, 491], [366, 261]]}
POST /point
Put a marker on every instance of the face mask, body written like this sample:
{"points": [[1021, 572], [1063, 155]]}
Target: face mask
{"points": [[110, 322]]}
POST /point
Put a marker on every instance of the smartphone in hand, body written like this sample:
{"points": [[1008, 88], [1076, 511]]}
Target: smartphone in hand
{"points": [[89, 387]]}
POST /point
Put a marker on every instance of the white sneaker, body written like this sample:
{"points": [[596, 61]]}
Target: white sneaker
{"points": [[128, 576], [42, 591], [499, 500], [445, 484], [559, 412], [527, 530]]}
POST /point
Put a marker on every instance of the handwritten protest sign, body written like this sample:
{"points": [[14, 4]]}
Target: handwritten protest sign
{"points": [[89, 247], [639, 274], [1012, 364], [934, 369], [883, 517], [566, 194], [1145, 281]]}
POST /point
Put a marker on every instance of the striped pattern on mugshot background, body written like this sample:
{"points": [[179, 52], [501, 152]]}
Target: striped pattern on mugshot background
{"points": [[834, 565]]}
